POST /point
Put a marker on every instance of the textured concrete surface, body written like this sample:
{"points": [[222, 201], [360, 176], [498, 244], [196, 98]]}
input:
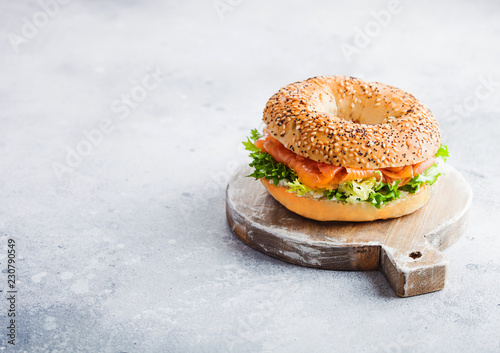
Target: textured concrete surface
{"points": [[121, 122]]}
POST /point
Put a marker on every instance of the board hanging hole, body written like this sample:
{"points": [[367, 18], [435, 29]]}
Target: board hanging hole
{"points": [[415, 255]]}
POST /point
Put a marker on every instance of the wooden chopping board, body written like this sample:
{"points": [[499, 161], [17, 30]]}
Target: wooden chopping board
{"points": [[406, 249]]}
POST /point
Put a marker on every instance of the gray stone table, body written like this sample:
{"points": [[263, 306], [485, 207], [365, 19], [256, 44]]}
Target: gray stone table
{"points": [[120, 123]]}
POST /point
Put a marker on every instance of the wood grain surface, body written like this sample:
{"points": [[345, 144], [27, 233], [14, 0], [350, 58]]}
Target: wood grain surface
{"points": [[405, 249]]}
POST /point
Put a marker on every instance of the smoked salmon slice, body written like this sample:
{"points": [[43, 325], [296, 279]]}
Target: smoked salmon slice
{"points": [[401, 173], [318, 175], [311, 173], [355, 173], [421, 167]]}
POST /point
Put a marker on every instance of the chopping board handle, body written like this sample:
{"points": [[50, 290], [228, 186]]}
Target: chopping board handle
{"points": [[421, 269]]}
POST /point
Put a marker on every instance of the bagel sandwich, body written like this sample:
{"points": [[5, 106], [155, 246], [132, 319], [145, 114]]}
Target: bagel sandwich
{"points": [[337, 148]]}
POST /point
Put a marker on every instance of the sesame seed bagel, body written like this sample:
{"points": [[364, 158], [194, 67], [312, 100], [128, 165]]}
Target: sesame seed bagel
{"points": [[347, 122]]}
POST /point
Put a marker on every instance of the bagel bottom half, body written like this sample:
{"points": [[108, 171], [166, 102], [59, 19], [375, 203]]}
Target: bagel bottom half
{"points": [[326, 210]]}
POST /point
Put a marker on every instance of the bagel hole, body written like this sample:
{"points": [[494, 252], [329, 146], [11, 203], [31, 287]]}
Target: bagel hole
{"points": [[372, 115], [361, 116]]}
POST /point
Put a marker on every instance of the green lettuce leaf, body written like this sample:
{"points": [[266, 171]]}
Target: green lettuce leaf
{"points": [[384, 193], [266, 167], [297, 187], [442, 152], [357, 190], [430, 175], [366, 190], [249, 143], [250, 146], [255, 134], [264, 164]]}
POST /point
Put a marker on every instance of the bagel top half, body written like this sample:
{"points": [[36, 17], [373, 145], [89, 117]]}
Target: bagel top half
{"points": [[347, 122]]}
